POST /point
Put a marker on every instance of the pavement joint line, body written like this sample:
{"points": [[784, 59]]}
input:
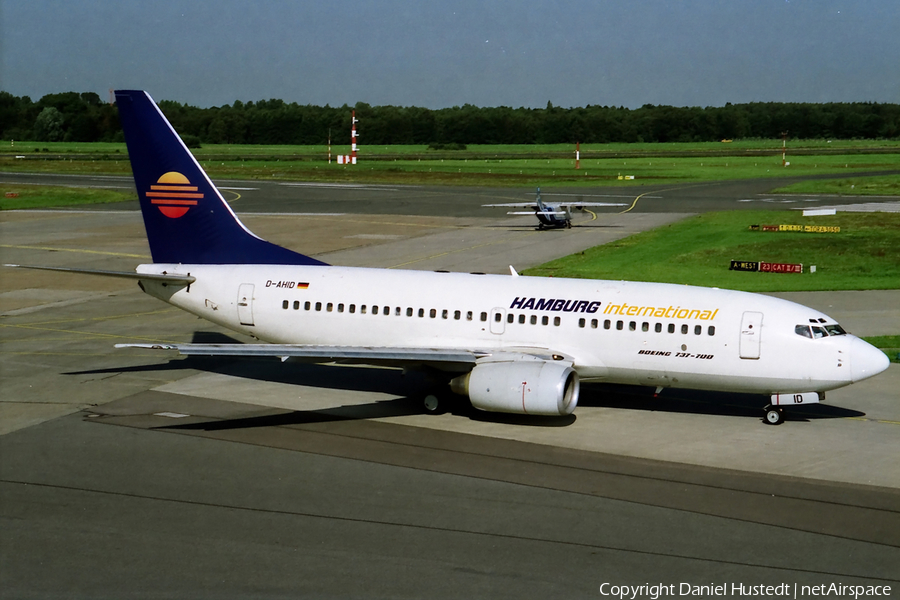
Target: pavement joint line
{"points": [[485, 533], [78, 250], [90, 333], [107, 318], [13, 353]]}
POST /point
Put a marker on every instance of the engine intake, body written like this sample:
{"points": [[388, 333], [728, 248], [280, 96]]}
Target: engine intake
{"points": [[535, 387]]}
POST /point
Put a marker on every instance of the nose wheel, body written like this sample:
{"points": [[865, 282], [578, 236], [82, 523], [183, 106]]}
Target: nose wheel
{"points": [[774, 415]]}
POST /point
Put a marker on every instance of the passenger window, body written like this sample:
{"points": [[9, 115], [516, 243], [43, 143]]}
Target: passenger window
{"points": [[581, 322], [645, 326], [374, 309], [684, 329], [620, 325], [671, 327], [510, 318], [469, 316], [545, 320], [658, 328], [593, 323], [318, 306], [421, 313], [698, 329], [352, 308], [498, 317], [329, 307], [386, 311], [521, 319], [284, 304], [711, 330], [556, 321], [456, 315], [306, 306], [534, 319], [606, 324], [362, 309], [433, 313], [484, 316], [341, 307], [409, 311], [445, 313], [632, 326]]}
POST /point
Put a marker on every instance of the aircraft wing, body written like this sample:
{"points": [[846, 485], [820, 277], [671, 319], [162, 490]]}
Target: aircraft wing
{"points": [[578, 204], [529, 205], [531, 214], [461, 359]]}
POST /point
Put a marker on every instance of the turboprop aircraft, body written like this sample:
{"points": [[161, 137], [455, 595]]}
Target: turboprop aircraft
{"points": [[509, 343], [550, 215]]}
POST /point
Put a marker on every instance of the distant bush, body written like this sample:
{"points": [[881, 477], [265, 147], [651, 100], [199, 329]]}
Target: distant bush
{"points": [[447, 146], [191, 141]]}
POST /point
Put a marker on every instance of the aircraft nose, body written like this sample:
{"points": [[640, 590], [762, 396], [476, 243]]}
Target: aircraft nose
{"points": [[866, 360]]}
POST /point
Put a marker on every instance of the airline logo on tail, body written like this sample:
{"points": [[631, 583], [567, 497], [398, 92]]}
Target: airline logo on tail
{"points": [[174, 195]]}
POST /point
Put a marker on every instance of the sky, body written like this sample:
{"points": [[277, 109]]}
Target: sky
{"points": [[441, 53]]}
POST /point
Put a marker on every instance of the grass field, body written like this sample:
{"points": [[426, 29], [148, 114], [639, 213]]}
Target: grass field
{"points": [[46, 196], [886, 185], [508, 166], [698, 251], [889, 344]]}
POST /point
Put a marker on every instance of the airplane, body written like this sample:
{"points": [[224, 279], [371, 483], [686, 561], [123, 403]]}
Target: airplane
{"points": [[510, 343], [550, 215]]}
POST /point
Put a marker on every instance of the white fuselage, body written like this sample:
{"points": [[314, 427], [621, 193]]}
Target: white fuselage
{"points": [[623, 332]]}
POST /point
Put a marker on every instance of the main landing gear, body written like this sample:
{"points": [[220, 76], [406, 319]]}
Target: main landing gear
{"points": [[774, 415]]}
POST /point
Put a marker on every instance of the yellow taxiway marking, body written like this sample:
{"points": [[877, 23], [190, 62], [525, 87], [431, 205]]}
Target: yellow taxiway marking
{"points": [[78, 250]]}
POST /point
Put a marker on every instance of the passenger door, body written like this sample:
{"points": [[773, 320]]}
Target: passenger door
{"points": [[751, 334]]}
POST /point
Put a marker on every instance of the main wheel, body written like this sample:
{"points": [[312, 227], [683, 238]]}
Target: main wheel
{"points": [[774, 415], [432, 404]]}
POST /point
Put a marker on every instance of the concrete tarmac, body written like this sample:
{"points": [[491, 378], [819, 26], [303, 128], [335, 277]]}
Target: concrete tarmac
{"points": [[138, 474]]}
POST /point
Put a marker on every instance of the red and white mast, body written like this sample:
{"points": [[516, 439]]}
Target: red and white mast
{"points": [[353, 136]]}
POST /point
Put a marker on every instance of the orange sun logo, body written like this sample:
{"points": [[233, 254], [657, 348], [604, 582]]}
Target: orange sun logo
{"points": [[174, 195]]}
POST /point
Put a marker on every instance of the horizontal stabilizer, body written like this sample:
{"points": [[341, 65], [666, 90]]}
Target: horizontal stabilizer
{"points": [[163, 277]]}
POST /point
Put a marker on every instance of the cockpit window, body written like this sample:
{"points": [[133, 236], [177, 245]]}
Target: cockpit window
{"points": [[803, 330], [819, 331]]}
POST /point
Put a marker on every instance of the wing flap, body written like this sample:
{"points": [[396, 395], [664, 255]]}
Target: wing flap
{"points": [[372, 355]]}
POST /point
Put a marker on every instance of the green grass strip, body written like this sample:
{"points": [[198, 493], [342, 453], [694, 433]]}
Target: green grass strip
{"points": [[697, 251], [889, 344], [887, 185], [47, 196]]}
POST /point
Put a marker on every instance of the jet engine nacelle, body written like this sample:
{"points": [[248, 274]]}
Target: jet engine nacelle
{"points": [[533, 387]]}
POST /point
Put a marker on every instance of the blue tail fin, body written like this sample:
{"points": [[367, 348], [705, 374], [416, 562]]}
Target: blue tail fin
{"points": [[186, 218]]}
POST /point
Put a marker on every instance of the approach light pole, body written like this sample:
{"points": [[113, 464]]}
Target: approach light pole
{"points": [[783, 147]]}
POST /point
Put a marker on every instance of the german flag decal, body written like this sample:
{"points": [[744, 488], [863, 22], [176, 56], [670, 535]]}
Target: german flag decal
{"points": [[174, 195]]}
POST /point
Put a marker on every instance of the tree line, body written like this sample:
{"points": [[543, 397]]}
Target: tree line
{"points": [[84, 117]]}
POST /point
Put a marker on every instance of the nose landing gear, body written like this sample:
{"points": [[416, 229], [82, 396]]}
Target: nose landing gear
{"points": [[774, 415]]}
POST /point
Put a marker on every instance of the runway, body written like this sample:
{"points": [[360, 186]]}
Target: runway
{"points": [[133, 474]]}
